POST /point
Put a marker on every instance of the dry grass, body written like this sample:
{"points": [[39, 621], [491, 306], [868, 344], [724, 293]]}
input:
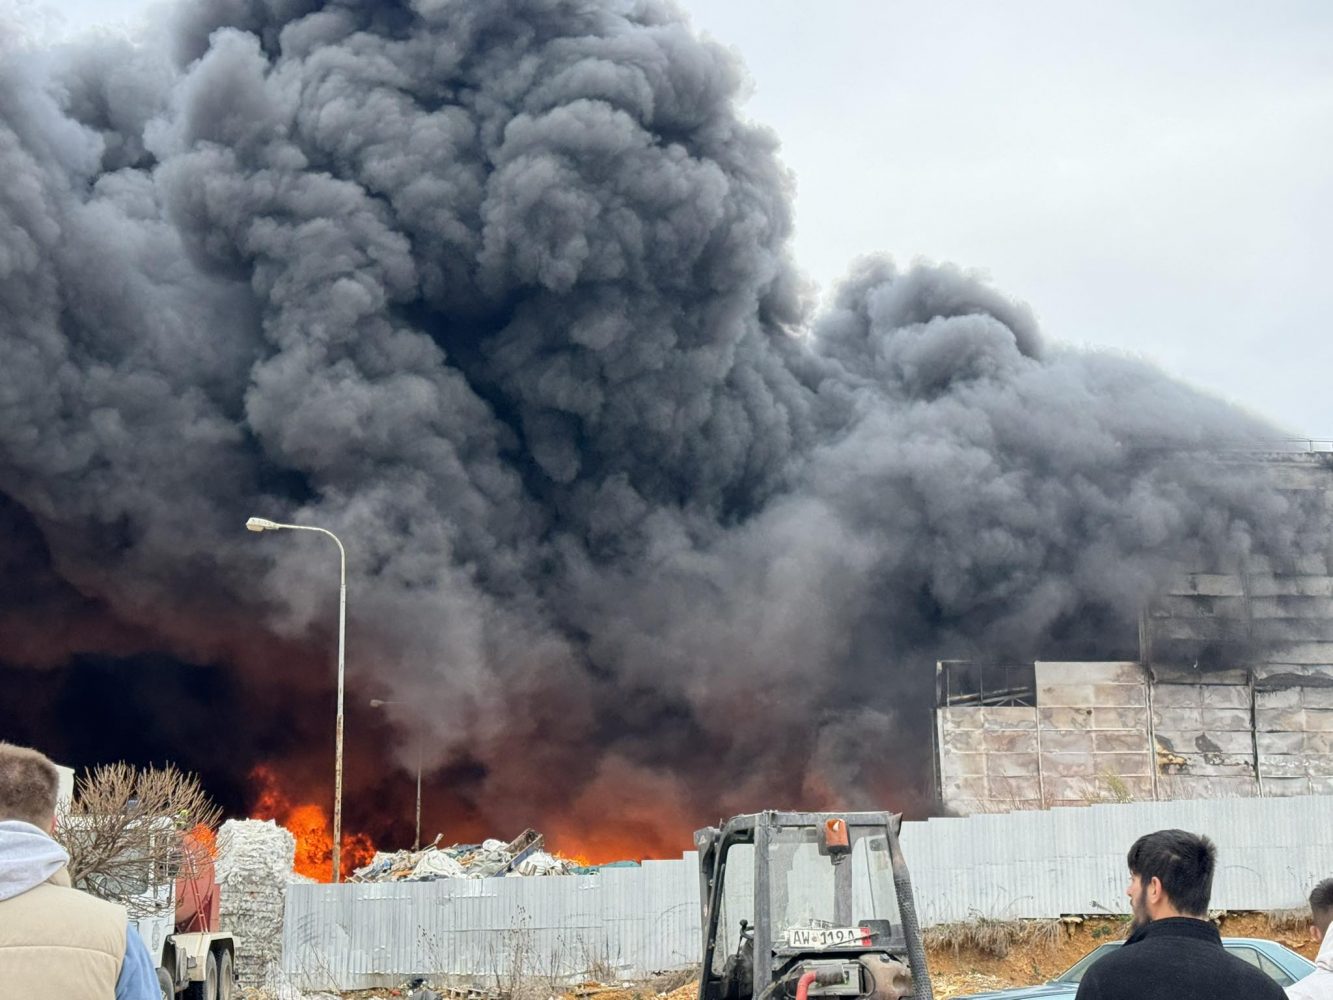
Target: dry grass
{"points": [[964, 983], [1116, 789], [685, 991], [670, 982], [1293, 921], [996, 938]]}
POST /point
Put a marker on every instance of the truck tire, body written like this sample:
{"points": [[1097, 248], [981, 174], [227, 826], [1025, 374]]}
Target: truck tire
{"points": [[226, 977], [166, 985], [206, 988]]}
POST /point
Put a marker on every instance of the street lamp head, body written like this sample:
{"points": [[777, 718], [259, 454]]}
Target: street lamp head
{"points": [[377, 703], [261, 524]]}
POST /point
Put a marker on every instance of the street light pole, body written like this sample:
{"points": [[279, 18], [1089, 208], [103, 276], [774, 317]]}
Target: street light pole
{"points": [[262, 524], [377, 703]]}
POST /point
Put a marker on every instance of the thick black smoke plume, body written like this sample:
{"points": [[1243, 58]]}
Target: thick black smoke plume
{"points": [[500, 292]]}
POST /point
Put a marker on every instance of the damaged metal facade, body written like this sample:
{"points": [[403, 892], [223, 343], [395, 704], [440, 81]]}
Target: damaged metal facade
{"points": [[1232, 694], [1105, 732]]}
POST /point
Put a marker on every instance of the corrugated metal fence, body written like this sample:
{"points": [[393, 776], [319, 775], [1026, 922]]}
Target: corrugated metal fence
{"points": [[635, 921], [621, 920], [1045, 864]]}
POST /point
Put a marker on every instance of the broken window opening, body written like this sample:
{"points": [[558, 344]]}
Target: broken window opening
{"points": [[964, 683]]}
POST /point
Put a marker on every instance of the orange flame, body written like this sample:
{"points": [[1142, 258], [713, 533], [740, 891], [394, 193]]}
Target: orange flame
{"points": [[310, 825], [598, 847], [201, 839]]}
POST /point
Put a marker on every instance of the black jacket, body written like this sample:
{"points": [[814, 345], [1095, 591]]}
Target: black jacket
{"points": [[1177, 958]]}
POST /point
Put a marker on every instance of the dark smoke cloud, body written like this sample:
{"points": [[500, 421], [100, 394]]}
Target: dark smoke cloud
{"points": [[501, 293]]}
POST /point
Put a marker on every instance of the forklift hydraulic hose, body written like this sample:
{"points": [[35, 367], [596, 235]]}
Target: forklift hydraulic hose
{"points": [[824, 977], [916, 952]]}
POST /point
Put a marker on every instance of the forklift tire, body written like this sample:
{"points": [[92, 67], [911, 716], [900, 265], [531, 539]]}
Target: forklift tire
{"points": [[207, 988], [165, 985]]}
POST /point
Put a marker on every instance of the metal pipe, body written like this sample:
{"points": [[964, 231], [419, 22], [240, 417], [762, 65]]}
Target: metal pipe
{"points": [[416, 845], [263, 524], [338, 739]]}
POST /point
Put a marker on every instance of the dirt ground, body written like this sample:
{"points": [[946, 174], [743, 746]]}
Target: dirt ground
{"points": [[969, 971]]}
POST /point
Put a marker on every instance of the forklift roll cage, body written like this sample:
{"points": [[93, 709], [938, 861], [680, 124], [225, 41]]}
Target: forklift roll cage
{"points": [[772, 960]]}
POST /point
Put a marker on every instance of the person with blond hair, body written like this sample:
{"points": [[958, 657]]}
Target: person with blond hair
{"points": [[55, 940]]}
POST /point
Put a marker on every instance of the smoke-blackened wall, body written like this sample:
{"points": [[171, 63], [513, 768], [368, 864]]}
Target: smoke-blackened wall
{"points": [[501, 293]]}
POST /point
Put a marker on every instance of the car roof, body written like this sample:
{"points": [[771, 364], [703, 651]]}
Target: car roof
{"points": [[1044, 989], [1238, 940], [1253, 940]]}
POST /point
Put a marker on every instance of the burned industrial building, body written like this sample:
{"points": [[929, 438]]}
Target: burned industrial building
{"points": [[1232, 694], [614, 488]]}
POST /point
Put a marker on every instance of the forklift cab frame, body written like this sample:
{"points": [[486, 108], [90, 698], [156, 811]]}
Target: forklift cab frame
{"points": [[775, 953]]}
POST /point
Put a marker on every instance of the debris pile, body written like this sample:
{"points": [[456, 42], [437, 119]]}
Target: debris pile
{"points": [[254, 863], [524, 855]]}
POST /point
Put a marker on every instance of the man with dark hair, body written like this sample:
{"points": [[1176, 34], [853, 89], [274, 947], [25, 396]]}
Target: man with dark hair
{"points": [[1318, 985], [1173, 952], [54, 940]]}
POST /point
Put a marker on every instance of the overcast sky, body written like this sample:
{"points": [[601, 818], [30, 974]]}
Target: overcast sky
{"points": [[1151, 178]]}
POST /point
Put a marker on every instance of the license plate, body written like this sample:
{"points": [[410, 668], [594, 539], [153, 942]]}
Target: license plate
{"points": [[825, 937]]}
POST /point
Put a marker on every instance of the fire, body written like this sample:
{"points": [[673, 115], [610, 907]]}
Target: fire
{"points": [[598, 847], [309, 824], [201, 839]]}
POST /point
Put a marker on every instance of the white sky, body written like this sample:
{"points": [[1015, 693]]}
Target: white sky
{"points": [[1150, 177]]}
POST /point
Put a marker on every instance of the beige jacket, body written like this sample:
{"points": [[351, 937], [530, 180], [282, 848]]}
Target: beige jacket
{"points": [[59, 942]]}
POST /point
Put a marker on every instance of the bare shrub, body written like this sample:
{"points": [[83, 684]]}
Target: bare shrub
{"points": [[598, 966], [511, 958], [992, 937], [1293, 921], [129, 832]]}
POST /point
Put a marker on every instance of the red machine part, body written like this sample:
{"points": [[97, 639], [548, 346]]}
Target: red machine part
{"points": [[196, 889], [827, 976]]}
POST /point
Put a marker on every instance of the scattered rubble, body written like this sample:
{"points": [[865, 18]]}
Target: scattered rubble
{"points": [[523, 856], [253, 867]]}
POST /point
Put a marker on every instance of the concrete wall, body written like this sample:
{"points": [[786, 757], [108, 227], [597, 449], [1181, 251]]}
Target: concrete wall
{"points": [[988, 758], [1093, 732], [1293, 714], [1232, 697], [1085, 740], [1102, 732], [1205, 741], [1243, 659]]}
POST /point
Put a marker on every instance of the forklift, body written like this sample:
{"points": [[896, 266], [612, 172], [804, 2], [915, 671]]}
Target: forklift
{"points": [[824, 907]]}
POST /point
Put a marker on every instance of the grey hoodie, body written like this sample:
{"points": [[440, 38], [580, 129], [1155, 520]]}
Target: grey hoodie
{"points": [[28, 857]]}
